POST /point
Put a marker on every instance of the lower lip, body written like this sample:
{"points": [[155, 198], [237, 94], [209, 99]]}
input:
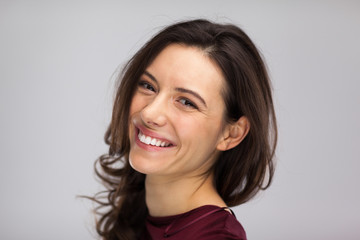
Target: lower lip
{"points": [[147, 147]]}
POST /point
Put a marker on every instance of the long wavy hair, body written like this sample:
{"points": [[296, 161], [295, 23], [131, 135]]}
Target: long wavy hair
{"points": [[239, 173]]}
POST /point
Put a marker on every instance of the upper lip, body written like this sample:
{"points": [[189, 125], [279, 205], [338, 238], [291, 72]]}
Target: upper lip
{"points": [[151, 134]]}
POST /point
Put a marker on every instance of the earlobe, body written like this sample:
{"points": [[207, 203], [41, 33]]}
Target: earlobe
{"points": [[234, 134]]}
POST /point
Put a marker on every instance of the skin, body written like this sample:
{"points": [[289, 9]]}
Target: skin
{"points": [[179, 102]]}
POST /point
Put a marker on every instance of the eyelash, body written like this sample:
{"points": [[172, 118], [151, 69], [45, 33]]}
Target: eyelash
{"points": [[187, 103], [183, 101], [147, 86]]}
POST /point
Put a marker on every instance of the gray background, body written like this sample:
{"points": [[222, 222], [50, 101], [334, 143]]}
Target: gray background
{"points": [[58, 60]]}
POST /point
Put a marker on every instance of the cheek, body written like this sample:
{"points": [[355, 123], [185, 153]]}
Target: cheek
{"points": [[137, 103], [134, 105], [199, 130]]}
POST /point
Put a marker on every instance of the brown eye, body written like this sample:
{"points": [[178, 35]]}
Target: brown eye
{"points": [[147, 86], [187, 103]]}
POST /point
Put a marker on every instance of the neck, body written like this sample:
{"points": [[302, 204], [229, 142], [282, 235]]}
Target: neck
{"points": [[166, 197]]}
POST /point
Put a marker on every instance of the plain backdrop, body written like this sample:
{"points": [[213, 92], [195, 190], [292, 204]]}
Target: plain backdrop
{"points": [[58, 64]]}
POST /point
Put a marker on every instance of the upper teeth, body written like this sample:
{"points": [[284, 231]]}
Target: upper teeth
{"points": [[152, 141]]}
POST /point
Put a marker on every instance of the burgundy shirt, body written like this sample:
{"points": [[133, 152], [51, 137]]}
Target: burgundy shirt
{"points": [[204, 223]]}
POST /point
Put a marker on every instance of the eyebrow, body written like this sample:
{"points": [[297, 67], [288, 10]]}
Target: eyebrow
{"points": [[150, 76], [182, 90]]}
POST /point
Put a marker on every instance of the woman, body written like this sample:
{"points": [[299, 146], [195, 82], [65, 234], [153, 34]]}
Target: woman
{"points": [[194, 131]]}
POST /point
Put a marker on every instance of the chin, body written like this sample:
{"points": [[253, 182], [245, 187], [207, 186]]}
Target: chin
{"points": [[142, 165]]}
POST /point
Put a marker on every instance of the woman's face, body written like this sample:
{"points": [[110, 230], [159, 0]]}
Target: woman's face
{"points": [[176, 114]]}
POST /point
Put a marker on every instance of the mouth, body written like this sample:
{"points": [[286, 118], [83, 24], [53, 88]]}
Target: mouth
{"points": [[152, 141]]}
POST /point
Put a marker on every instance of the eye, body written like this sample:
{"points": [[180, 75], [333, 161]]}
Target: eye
{"points": [[187, 103], [146, 86]]}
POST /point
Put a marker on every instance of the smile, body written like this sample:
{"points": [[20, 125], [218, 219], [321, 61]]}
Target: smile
{"points": [[152, 141]]}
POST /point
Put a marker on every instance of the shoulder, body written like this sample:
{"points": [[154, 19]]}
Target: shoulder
{"points": [[206, 223], [222, 225]]}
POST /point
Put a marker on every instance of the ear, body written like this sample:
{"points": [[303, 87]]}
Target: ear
{"points": [[233, 134]]}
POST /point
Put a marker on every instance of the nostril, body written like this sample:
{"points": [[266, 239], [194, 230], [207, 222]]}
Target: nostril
{"points": [[151, 123]]}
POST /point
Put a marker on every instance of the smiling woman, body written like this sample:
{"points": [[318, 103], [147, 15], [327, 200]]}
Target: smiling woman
{"points": [[194, 127], [182, 106]]}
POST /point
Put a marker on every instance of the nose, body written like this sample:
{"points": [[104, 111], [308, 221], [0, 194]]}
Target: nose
{"points": [[154, 113]]}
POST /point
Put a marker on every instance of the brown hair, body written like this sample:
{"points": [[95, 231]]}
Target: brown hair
{"points": [[239, 173]]}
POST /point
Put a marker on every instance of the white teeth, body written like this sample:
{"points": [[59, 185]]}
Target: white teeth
{"points": [[151, 141], [142, 138]]}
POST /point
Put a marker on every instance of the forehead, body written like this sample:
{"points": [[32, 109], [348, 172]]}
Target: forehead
{"points": [[190, 67]]}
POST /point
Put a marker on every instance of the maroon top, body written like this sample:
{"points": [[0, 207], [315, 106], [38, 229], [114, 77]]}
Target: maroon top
{"points": [[208, 222]]}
